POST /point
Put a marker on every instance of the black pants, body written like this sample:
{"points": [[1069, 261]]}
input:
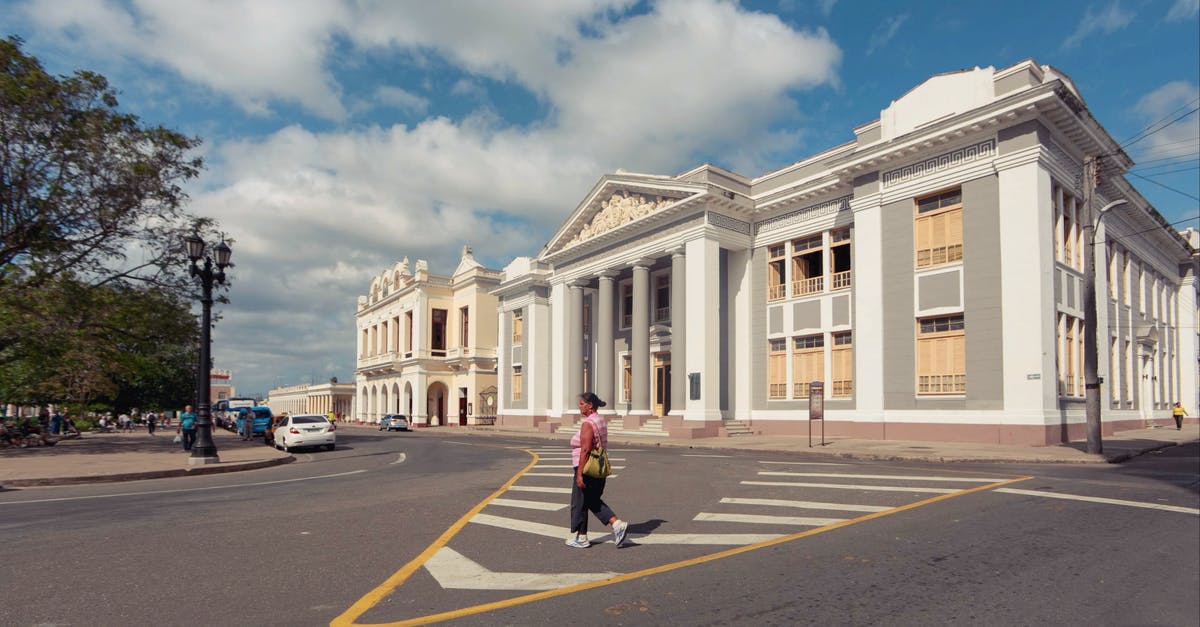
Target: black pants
{"points": [[189, 438], [588, 500], [1178, 422]]}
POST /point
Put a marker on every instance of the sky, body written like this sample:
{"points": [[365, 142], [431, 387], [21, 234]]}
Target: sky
{"points": [[343, 136]]}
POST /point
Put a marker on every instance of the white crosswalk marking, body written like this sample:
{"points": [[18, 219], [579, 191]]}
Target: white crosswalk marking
{"points": [[554, 531], [454, 571], [767, 520], [565, 474], [534, 488], [570, 466], [843, 486], [781, 473], [847, 507], [1097, 499], [549, 507]]}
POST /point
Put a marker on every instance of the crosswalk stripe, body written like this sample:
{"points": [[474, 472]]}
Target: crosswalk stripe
{"points": [[706, 456], [549, 507], [534, 488], [805, 463], [1097, 499], [565, 474], [781, 473], [571, 466], [553, 531], [454, 571], [806, 504], [767, 520], [844, 486]]}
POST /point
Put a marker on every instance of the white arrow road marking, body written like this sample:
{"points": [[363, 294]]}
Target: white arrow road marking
{"points": [[842, 486], [777, 473], [767, 520], [399, 460], [1097, 499], [452, 570], [200, 489], [534, 488], [549, 507], [807, 505], [553, 531]]}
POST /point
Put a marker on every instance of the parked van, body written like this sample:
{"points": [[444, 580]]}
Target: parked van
{"points": [[261, 415]]}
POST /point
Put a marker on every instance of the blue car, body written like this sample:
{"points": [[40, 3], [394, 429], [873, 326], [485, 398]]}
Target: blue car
{"points": [[262, 417]]}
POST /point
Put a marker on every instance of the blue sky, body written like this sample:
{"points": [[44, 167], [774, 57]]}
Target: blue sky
{"points": [[341, 137]]}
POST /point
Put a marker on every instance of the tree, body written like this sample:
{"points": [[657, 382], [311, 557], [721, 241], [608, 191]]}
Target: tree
{"points": [[91, 217]]}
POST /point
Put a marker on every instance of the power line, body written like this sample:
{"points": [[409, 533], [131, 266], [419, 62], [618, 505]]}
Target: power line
{"points": [[1151, 129], [1164, 186]]}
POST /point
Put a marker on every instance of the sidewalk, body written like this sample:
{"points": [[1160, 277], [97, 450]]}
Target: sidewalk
{"points": [[94, 458], [105, 457]]}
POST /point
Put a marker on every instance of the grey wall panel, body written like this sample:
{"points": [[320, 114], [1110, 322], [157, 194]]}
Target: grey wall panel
{"points": [[518, 355], [1069, 286], [866, 184], [939, 290], [1021, 136], [899, 334], [758, 328], [806, 315], [775, 319], [983, 303], [870, 136], [840, 310]]}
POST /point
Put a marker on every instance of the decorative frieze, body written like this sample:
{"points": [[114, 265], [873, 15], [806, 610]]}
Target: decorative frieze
{"points": [[728, 223], [983, 150], [620, 209], [803, 215]]}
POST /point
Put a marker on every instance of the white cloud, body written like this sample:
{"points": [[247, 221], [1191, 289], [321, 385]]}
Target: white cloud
{"points": [[1105, 21], [401, 99], [1159, 110], [884, 33], [1183, 10]]}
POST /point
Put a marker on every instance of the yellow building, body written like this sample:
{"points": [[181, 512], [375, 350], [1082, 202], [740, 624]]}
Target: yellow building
{"points": [[427, 345]]}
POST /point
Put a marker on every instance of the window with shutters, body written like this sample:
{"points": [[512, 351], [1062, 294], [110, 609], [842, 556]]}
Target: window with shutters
{"points": [[841, 358], [518, 326], [776, 287], [840, 258], [1070, 354], [408, 333], [626, 378], [516, 383], [938, 229], [808, 363], [777, 369], [941, 356], [808, 271]]}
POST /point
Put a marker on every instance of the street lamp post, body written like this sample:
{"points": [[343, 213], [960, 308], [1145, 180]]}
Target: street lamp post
{"points": [[1091, 380], [204, 451]]}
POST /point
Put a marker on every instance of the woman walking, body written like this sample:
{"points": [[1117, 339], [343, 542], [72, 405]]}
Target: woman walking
{"points": [[586, 492]]}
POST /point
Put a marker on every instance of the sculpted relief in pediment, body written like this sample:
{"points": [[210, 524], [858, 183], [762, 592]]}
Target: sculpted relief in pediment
{"points": [[620, 209]]}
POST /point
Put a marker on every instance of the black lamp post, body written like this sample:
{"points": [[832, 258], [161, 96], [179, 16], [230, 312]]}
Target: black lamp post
{"points": [[204, 451]]}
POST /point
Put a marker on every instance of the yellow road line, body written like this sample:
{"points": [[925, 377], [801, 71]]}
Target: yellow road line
{"points": [[388, 586], [373, 597]]}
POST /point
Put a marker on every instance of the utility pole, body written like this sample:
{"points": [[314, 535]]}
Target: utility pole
{"points": [[1091, 383]]}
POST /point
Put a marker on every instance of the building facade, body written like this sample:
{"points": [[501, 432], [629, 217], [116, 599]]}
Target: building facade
{"points": [[316, 398], [929, 275], [427, 345]]}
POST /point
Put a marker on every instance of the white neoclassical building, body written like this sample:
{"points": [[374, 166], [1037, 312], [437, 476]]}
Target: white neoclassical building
{"points": [[929, 274], [427, 345]]}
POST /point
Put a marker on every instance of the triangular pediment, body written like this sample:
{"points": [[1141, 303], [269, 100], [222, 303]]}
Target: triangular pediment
{"points": [[618, 201]]}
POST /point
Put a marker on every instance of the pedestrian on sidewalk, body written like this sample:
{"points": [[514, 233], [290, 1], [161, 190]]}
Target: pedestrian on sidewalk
{"points": [[151, 419], [587, 492], [1178, 412], [246, 421], [187, 427]]}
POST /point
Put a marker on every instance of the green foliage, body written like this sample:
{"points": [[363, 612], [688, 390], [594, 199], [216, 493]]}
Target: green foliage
{"points": [[94, 288]]}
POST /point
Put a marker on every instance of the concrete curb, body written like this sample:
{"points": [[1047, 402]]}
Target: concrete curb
{"points": [[151, 474]]}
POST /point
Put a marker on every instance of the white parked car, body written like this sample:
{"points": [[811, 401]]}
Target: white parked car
{"points": [[305, 430]]}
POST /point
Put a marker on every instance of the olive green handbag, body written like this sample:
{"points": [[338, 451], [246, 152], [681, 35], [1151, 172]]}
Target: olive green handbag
{"points": [[597, 466]]}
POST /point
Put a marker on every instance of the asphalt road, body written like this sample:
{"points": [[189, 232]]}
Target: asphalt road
{"points": [[393, 526]]}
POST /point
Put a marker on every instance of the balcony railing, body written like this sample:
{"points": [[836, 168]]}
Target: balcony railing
{"points": [[808, 286], [776, 292], [841, 280], [376, 360], [662, 314]]}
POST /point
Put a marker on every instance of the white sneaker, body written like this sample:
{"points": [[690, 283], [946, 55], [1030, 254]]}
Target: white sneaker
{"points": [[578, 542], [619, 529]]}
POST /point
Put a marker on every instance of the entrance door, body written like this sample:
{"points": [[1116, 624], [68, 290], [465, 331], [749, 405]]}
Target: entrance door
{"points": [[662, 384], [462, 407]]}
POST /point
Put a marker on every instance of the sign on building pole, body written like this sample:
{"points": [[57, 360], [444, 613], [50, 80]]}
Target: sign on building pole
{"points": [[816, 409]]}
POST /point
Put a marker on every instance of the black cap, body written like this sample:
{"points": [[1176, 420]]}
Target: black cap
{"points": [[592, 399]]}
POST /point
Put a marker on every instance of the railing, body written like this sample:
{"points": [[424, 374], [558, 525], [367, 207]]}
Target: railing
{"points": [[841, 280], [808, 286], [842, 388], [627, 320], [376, 360], [662, 314], [777, 390], [776, 292]]}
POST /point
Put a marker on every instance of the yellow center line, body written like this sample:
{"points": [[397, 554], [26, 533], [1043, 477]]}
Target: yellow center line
{"points": [[376, 595], [373, 597]]}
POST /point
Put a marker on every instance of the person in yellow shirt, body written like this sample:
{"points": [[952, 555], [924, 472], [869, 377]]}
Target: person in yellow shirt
{"points": [[1178, 412]]}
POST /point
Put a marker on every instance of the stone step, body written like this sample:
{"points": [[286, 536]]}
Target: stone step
{"points": [[651, 429], [735, 428]]}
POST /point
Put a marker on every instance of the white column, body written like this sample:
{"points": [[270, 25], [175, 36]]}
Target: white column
{"points": [[558, 361], [1187, 323], [703, 297], [574, 347], [740, 345], [640, 340], [868, 308], [603, 329], [678, 332]]}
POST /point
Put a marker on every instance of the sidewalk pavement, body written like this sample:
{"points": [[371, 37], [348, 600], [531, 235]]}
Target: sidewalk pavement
{"points": [[94, 458]]}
